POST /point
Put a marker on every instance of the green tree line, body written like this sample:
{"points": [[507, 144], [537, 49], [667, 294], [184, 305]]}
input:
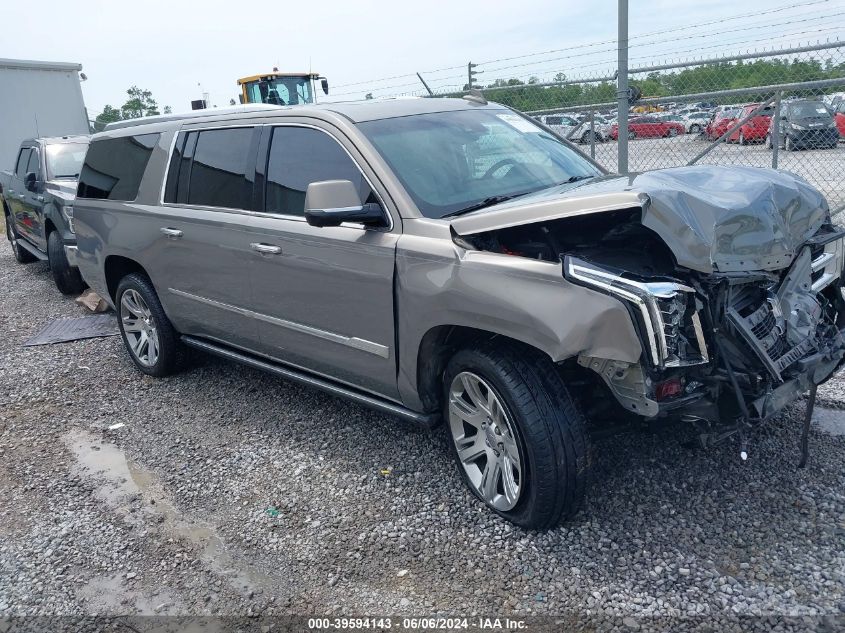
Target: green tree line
{"points": [[707, 78]]}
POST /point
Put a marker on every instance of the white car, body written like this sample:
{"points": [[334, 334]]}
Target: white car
{"points": [[565, 124], [695, 122]]}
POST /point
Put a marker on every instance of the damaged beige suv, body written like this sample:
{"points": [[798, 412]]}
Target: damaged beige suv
{"points": [[450, 259]]}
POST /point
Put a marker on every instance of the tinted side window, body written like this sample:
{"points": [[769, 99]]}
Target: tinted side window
{"points": [[179, 171], [300, 156], [114, 167], [33, 166], [219, 167], [23, 159]]}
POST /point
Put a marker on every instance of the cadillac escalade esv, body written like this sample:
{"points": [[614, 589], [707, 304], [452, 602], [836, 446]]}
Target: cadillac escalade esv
{"points": [[451, 259]]}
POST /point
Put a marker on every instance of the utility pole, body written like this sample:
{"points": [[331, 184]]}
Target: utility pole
{"points": [[471, 75], [622, 87]]}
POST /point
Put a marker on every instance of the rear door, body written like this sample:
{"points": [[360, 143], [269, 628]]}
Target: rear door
{"points": [[323, 296], [202, 257], [16, 194]]}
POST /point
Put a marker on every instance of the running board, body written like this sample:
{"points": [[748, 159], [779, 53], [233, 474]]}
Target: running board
{"points": [[29, 248], [427, 420]]}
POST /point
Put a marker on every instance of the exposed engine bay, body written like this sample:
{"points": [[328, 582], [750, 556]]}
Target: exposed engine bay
{"points": [[719, 348]]}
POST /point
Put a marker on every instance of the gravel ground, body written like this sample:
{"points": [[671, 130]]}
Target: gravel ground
{"points": [[232, 492]]}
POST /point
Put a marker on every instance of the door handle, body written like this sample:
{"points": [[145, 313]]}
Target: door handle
{"points": [[21, 196], [39, 198], [266, 249], [173, 234]]}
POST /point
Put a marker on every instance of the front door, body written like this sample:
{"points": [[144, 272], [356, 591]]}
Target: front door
{"points": [[323, 296]]}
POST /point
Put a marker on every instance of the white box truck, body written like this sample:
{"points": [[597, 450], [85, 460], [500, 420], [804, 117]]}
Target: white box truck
{"points": [[38, 99]]}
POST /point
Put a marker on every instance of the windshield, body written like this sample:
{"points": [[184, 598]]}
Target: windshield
{"points": [[282, 91], [64, 160], [449, 161], [808, 109]]}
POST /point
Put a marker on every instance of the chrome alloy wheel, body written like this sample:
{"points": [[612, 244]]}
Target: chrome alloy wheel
{"points": [[139, 327], [486, 441]]}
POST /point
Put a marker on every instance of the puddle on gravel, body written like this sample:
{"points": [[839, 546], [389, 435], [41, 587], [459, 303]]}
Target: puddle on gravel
{"points": [[126, 481], [830, 421]]}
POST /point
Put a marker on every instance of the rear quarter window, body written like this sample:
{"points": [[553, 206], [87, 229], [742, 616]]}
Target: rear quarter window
{"points": [[114, 167]]}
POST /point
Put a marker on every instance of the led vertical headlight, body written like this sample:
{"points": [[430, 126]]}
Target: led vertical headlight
{"points": [[667, 311]]}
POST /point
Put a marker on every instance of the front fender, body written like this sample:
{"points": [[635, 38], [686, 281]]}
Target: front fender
{"points": [[523, 299]]}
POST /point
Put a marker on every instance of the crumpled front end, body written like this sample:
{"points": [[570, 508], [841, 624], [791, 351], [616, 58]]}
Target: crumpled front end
{"points": [[724, 346], [732, 278]]}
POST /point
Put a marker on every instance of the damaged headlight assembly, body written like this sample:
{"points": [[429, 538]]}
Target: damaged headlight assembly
{"points": [[668, 311]]}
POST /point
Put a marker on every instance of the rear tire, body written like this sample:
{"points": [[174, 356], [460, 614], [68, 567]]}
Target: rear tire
{"points": [[534, 419], [22, 256], [151, 340], [67, 277]]}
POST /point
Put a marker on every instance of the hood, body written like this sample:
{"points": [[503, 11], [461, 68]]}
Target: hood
{"points": [[725, 219], [64, 188]]}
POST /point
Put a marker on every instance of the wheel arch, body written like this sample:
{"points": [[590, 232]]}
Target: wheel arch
{"points": [[116, 267], [438, 345]]}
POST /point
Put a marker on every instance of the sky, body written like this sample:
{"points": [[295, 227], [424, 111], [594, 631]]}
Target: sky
{"points": [[178, 50]]}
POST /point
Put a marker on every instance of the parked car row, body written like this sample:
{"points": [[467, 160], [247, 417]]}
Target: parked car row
{"points": [[450, 261], [712, 122]]}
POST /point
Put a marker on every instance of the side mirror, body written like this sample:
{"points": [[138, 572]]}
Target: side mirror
{"points": [[31, 182], [333, 202], [325, 84]]}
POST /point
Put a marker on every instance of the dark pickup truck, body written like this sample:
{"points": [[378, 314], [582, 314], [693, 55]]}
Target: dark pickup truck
{"points": [[38, 199]]}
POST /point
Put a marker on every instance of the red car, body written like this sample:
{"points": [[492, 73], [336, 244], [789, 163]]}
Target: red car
{"points": [[721, 123], [649, 127], [839, 117], [756, 128]]}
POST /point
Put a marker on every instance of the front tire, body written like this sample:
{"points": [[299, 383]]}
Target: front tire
{"points": [[516, 434], [67, 277], [150, 338]]}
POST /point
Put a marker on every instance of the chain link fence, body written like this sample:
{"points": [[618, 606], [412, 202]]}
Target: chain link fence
{"points": [[782, 108]]}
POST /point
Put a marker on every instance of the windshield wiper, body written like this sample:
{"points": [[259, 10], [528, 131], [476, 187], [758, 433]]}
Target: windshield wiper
{"points": [[66, 176], [487, 202], [572, 179]]}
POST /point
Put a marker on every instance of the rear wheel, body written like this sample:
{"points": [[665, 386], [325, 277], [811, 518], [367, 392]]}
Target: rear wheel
{"points": [[67, 277], [150, 338], [632, 134], [22, 256], [516, 434], [672, 132]]}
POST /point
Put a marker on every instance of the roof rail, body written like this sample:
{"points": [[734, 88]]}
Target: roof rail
{"points": [[194, 114]]}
